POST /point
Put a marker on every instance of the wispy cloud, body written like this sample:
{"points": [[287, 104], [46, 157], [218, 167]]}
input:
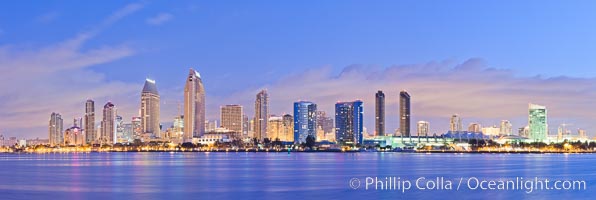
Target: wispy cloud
{"points": [[439, 89], [160, 19], [56, 78]]}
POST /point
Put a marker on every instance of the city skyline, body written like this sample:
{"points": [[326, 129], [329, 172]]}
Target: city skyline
{"points": [[465, 81]]}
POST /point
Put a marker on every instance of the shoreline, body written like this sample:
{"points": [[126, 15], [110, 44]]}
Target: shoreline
{"points": [[321, 151]]}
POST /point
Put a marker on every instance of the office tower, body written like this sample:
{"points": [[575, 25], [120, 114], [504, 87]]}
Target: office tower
{"points": [[275, 128], [423, 128], [231, 118], [137, 129], [404, 113], [120, 130], [73, 136], [537, 122], [325, 122], [380, 113], [349, 123], [178, 127], [475, 127], [150, 109], [455, 123], [108, 124], [261, 115], [582, 134], [245, 125], [89, 129], [288, 128], [505, 128], [194, 106], [305, 121], [55, 129]]}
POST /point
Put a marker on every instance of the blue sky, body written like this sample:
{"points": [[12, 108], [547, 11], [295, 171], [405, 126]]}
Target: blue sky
{"points": [[240, 47]]}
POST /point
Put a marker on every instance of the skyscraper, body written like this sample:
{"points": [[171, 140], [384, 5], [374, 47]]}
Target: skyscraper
{"points": [[275, 129], [305, 121], [288, 128], [108, 124], [404, 113], [475, 127], [537, 122], [455, 123], [325, 122], [194, 106], [349, 123], [90, 132], [150, 109], [423, 128], [137, 129], [261, 115], [231, 118], [55, 129], [245, 125], [505, 128], [380, 113]]}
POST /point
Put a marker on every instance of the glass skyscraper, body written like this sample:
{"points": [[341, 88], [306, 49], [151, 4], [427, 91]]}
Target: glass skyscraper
{"points": [[404, 112], [537, 122], [261, 115], [349, 123], [194, 106], [380, 113], [305, 121], [150, 109]]}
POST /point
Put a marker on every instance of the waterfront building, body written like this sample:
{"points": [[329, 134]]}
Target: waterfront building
{"points": [[150, 111], [74, 136], [261, 115], [455, 123], [423, 128], [404, 113], [55, 129], [305, 121], [89, 128], [108, 124], [325, 122], [120, 130], [275, 128], [231, 118], [380, 113], [475, 127], [491, 131], [245, 125], [194, 106], [210, 125], [137, 129], [127, 132], [349, 123], [287, 128], [537, 122], [505, 128]]}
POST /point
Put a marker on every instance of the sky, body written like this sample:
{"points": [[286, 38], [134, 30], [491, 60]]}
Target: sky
{"points": [[484, 60]]}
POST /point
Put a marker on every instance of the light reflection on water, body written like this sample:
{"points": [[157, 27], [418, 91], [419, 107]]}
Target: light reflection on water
{"points": [[249, 175]]}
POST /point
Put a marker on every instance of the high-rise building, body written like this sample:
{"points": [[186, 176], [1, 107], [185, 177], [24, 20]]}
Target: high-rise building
{"points": [[55, 129], [89, 129], [455, 123], [120, 130], [178, 127], [245, 125], [537, 122], [325, 122], [305, 121], [194, 106], [137, 129], [275, 128], [150, 109], [288, 128], [231, 118], [506, 128], [475, 127], [261, 115], [349, 123], [423, 128], [404, 113], [108, 124], [128, 132], [380, 113], [73, 136]]}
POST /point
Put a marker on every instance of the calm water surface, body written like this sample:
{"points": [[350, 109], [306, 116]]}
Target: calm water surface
{"points": [[277, 175]]}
